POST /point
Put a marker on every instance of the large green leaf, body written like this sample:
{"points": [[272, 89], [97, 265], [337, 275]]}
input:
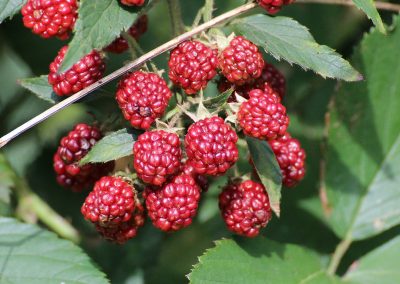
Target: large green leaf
{"points": [[368, 6], [379, 266], [10, 7], [112, 147], [29, 254], [363, 155], [285, 38], [258, 261], [268, 170], [99, 23]]}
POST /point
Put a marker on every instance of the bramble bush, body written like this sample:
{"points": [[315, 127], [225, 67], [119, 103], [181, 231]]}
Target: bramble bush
{"points": [[201, 141]]}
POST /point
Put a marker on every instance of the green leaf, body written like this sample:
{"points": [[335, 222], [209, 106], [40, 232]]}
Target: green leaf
{"points": [[368, 6], [7, 182], [10, 7], [29, 254], [285, 38], [363, 153], [99, 23], [41, 88], [258, 261], [218, 101], [379, 266], [112, 147], [268, 170]]}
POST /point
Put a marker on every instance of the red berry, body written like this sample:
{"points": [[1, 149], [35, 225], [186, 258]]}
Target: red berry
{"points": [[245, 207], [126, 230], [157, 156], [133, 2], [110, 203], [50, 18], [81, 75], [201, 180], [263, 116], [291, 158], [192, 65], [120, 44], [211, 146], [142, 97], [274, 6], [173, 206], [241, 62], [72, 149]]}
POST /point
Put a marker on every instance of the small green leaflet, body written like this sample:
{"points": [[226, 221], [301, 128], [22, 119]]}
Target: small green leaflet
{"points": [[9, 8], [218, 101], [368, 6], [41, 88]]}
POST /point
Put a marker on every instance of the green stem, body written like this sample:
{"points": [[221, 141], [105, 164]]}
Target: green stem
{"points": [[208, 10], [337, 256], [178, 27]]}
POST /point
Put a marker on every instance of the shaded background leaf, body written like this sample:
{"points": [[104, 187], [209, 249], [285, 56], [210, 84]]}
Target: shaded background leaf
{"points": [[10, 7]]}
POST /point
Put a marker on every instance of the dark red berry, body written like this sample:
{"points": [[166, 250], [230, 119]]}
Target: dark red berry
{"points": [[110, 203], [81, 75], [126, 230], [263, 116], [142, 97], [49, 18], [211, 146], [133, 2], [72, 149], [157, 156], [173, 206], [274, 6], [241, 62], [245, 207], [291, 158], [191, 65], [201, 180], [120, 44]]}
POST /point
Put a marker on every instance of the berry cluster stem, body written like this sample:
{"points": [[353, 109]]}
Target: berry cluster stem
{"points": [[176, 17], [337, 256]]}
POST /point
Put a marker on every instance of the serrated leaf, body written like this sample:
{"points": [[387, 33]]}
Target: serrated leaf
{"points": [[9, 8], [368, 6], [258, 261], [363, 153], [111, 147], [99, 23], [29, 254], [218, 101], [268, 170], [41, 88], [284, 38], [379, 266]]}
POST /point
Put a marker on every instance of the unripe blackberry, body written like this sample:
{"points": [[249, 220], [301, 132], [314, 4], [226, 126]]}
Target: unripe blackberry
{"points": [[157, 156], [110, 203], [133, 2], [211, 146], [172, 206], [273, 6], [201, 180], [263, 116], [192, 65], [142, 97], [245, 207], [120, 44], [50, 18], [72, 149], [81, 75], [291, 158], [241, 62]]}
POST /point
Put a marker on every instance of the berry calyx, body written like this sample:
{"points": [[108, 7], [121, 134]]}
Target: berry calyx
{"points": [[210, 146], [110, 203], [133, 2], [72, 149], [173, 206], [245, 207], [274, 6], [50, 18], [241, 62], [120, 44], [142, 97], [291, 159], [191, 65], [157, 156], [263, 116], [81, 75]]}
